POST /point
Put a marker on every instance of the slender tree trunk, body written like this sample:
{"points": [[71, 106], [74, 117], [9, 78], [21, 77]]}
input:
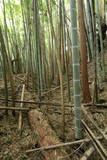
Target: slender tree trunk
{"points": [[83, 53]]}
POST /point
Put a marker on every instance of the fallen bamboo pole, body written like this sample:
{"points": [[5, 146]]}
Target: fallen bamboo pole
{"points": [[88, 153], [28, 109], [97, 105], [92, 121], [40, 103], [54, 89], [54, 104], [99, 147], [96, 147], [61, 145], [17, 108]]}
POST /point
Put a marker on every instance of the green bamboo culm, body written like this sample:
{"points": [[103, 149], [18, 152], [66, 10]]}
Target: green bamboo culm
{"points": [[98, 55], [98, 20], [90, 29], [4, 64], [76, 70]]}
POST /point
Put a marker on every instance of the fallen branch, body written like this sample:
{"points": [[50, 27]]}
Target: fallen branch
{"points": [[38, 103]]}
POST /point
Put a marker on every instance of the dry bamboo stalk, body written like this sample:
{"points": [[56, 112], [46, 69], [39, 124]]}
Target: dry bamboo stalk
{"points": [[41, 103], [57, 49], [16, 108], [56, 104], [21, 105], [61, 145], [92, 121], [54, 89], [88, 153], [99, 147]]}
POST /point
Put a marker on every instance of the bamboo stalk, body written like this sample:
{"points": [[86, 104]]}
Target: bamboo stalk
{"points": [[56, 104], [60, 145], [101, 150], [39, 103], [76, 70], [100, 35], [54, 89], [59, 68], [7, 55], [88, 153], [4, 68], [16, 108], [90, 27], [92, 121], [21, 105]]}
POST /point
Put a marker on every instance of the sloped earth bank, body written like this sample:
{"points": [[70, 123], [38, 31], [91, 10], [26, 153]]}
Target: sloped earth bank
{"points": [[13, 145]]}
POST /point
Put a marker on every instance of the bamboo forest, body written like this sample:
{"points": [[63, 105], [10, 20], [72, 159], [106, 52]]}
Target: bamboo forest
{"points": [[53, 80]]}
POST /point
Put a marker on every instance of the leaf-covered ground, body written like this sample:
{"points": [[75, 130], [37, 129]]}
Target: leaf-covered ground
{"points": [[13, 144]]}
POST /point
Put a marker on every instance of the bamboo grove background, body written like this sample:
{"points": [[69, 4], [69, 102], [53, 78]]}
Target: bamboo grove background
{"points": [[36, 39]]}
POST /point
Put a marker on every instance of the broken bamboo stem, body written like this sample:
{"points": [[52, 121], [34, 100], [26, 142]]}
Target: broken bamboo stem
{"points": [[21, 105], [40, 103], [99, 147], [55, 104], [92, 121], [88, 153], [53, 89], [17, 108]]}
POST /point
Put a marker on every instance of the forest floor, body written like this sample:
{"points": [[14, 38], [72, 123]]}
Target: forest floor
{"points": [[13, 145]]}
